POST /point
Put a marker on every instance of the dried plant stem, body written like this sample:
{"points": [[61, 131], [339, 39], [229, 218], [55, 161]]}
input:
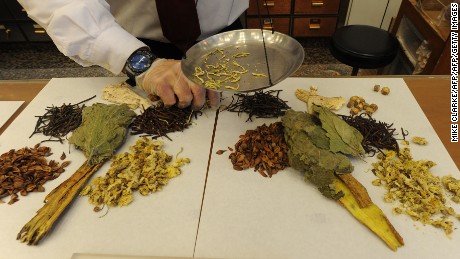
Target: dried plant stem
{"points": [[55, 204]]}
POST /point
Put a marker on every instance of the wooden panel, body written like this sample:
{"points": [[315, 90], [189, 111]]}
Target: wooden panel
{"points": [[315, 26], [274, 7], [279, 24], [10, 32], [317, 6], [34, 32]]}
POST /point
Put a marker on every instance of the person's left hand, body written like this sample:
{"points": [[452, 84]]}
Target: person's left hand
{"points": [[165, 79]]}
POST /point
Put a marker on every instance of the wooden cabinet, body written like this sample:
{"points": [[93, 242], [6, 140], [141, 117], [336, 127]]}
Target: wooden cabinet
{"points": [[16, 26], [415, 28], [298, 18]]}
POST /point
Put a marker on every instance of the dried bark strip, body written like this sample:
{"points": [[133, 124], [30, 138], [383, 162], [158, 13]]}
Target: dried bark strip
{"points": [[55, 204], [26, 170]]}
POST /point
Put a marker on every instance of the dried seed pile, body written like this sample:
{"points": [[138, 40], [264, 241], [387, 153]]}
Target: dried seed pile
{"points": [[419, 192], [26, 170], [147, 169], [377, 135], [57, 122], [263, 149], [260, 104], [158, 120]]}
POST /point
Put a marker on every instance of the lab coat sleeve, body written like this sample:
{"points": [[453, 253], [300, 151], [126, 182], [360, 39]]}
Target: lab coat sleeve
{"points": [[85, 31]]}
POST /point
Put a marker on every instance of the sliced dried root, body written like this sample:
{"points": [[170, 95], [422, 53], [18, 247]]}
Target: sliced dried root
{"points": [[358, 203]]}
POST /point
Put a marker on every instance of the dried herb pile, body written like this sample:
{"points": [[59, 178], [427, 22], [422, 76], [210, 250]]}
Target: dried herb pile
{"points": [[411, 183], [57, 122], [319, 145], [260, 104], [103, 129], [263, 149], [146, 169], [26, 170], [158, 120], [377, 135]]}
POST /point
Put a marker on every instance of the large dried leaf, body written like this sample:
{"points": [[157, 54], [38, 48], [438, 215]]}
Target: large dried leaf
{"points": [[317, 163], [343, 137], [103, 129]]}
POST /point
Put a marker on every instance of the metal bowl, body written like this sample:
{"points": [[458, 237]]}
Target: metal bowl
{"points": [[284, 55]]}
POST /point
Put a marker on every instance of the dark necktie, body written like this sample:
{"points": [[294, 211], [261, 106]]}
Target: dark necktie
{"points": [[179, 22]]}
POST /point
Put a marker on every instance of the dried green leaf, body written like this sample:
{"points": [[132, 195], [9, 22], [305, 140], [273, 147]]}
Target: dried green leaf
{"points": [[317, 163], [103, 129], [343, 137]]}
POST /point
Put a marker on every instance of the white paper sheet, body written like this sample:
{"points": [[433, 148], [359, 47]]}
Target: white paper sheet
{"points": [[161, 224], [248, 216], [7, 109]]}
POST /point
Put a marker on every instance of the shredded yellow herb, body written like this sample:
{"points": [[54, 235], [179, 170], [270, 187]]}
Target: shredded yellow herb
{"points": [[147, 168], [224, 72], [418, 191]]}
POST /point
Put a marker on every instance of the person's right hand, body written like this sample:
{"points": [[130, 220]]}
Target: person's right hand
{"points": [[166, 80]]}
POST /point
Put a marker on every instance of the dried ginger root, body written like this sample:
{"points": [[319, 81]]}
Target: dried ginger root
{"points": [[311, 97], [419, 192], [147, 168], [123, 93]]}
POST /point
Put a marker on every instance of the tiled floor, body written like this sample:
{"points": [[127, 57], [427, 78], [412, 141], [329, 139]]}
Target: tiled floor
{"points": [[44, 61]]}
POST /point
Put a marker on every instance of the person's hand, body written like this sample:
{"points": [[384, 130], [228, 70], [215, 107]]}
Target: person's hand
{"points": [[166, 80]]}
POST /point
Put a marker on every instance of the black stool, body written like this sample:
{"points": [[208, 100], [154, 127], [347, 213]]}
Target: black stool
{"points": [[363, 46]]}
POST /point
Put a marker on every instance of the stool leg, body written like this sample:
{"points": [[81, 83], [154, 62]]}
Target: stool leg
{"points": [[354, 72]]}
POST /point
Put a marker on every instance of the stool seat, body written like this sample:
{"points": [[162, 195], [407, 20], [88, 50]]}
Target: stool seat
{"points": [[363, 46]]}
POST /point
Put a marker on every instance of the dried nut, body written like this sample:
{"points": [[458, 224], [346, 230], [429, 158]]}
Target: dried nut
{"points": [[385, 90], [354, 111], [376, 88]]}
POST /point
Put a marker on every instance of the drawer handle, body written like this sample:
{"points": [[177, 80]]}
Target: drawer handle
{"points": [[267, 27], [38, 29], [315, 24], [269, 3], [7, 31], [268, 24], [317, 3]]}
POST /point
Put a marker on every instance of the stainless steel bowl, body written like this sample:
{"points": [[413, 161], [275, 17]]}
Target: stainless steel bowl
{"points": [[284, 55]]}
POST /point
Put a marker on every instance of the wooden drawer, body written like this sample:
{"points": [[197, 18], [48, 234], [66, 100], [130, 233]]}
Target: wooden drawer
{"points": [[34, 32], [279, 24], [16, 10], [317, 6], [315, 26], [10, 32], [274, 7]]}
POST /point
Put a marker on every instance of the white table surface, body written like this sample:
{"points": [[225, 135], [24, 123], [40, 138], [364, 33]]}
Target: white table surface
{"points": [[243, 214], [7, 109]]}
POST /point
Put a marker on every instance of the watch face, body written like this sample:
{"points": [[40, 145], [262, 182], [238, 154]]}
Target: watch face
{"points": [[140, 62]]}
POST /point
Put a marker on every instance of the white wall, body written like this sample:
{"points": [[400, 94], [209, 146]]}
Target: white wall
{"points": [[371, 12]]}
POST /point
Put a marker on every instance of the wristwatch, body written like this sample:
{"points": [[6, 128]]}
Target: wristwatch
{"points": [[137, 64]]}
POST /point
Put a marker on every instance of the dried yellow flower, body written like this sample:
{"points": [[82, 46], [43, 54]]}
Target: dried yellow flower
{"points": [[418, 191], [419, 140], [147, 168], [452, 185]]}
